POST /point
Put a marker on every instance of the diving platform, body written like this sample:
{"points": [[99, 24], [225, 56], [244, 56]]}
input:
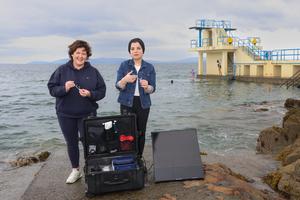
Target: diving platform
{"points": [[240, 58]]}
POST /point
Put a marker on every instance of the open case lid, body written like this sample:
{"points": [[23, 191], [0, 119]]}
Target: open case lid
{"points": [[110, 135], [176, 155]]}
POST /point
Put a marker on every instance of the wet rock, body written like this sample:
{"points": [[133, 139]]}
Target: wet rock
{"points": [[292, 103], [272, 179], [264, 103], [28, 160], [261, 109], [42, 156], [294, 156], [291, 122], [272, 140], [290, 153], [222, 183], [219, 198], [167, 197], [224, 190], [190, 184], [286, 180]]}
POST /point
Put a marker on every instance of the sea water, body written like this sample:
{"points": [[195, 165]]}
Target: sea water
{"points": [[222, 111]]}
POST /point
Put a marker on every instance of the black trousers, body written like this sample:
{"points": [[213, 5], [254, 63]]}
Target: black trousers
{"points": [[71, 128], [141, 119]]}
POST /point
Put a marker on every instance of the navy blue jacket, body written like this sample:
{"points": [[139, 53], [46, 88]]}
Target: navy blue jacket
{"points": [[146, 72], [71, 104]]}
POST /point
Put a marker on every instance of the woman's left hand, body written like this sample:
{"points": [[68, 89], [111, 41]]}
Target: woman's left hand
{"points": [[144, 83], [84, 93]]}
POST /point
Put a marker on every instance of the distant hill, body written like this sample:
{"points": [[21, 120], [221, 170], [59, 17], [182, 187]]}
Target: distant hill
{"points": [[107, 60], [94, 61], [48, 62], [117, 61], [39, 62]]}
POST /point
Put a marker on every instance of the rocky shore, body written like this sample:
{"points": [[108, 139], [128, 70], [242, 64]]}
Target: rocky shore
{"points": [[227, 177], [284, 144]]}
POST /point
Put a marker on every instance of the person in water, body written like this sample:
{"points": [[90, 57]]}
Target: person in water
{"points": [[219, 67]]}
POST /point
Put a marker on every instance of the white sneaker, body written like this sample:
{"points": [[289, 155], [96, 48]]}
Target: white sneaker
{"points": [[74, 176]]}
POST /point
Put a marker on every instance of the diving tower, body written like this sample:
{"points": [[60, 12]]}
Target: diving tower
{"points": [[241, 59]]}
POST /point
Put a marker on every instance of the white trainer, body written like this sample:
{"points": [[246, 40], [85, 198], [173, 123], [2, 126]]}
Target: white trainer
{"points": [[74, 176]]}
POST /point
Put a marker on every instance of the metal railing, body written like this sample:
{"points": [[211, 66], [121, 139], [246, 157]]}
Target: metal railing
{"points": [[249, 45], [207, 23], [207, 42], [292, 81], [252, 50], [285, 54]]}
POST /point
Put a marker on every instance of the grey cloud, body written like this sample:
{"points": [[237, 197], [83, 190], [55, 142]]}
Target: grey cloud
{"points": [[108, 25], [65, 19]]}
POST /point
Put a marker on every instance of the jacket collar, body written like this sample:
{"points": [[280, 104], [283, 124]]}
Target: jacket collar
{"points": [[131, 62]]}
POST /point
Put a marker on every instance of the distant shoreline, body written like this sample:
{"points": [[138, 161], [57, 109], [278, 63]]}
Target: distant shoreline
{"points": [[191, 60]]}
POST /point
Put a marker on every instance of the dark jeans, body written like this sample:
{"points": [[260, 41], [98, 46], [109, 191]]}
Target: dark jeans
{"points": [[141, 119], [70, 128]]}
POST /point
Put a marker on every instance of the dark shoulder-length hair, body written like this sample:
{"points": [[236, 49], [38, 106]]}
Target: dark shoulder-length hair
{"points": [[138, 40], [79, 44]]}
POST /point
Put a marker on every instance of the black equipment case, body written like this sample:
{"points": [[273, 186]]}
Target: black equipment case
{"points": [[111, 155]]}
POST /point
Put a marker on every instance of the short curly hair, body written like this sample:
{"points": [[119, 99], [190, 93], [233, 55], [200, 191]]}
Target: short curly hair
{"points": [[79, 44]]}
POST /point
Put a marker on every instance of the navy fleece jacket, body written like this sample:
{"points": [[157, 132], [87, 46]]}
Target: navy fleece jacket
{"points": [[71, 104]]}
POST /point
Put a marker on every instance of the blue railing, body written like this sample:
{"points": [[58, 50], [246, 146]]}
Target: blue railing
{"points": [[205, 42], [227, 40], [207, 23], [249, 44], [254, 51], [285, 54]]}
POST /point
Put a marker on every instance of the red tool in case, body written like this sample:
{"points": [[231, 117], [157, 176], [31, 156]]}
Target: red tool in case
{"points": [[111, 155]]}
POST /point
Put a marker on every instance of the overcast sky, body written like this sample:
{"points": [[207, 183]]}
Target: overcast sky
{"points": [[37, 30]]}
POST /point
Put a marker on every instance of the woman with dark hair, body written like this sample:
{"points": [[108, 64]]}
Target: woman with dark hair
{"points": [[136, 80], [77, 85]]}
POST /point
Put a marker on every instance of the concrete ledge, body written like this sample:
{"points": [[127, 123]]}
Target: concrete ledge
{"points": [[14, 182], [49, 182], [275, 80]]}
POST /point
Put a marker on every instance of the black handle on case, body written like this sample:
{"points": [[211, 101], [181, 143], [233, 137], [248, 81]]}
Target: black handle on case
{"points": [[116, 182]]}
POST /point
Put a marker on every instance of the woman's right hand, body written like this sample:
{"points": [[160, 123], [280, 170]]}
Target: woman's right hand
{"points": [[69, 85], [129, 78]]}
